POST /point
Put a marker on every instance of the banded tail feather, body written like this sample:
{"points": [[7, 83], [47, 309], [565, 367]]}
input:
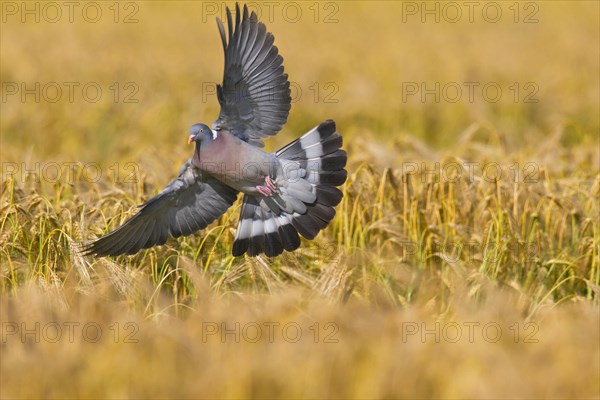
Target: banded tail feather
{"points": [[305, 202]]}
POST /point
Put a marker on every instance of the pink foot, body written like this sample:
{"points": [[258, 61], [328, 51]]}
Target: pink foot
{"points": [[268, 189], [270, 183]]}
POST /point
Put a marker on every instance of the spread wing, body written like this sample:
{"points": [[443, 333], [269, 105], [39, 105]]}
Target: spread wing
{"points": [[255, 95], [189, 203]]}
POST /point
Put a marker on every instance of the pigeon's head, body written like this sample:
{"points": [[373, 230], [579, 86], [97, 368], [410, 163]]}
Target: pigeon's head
{"points": [[201, 134]]}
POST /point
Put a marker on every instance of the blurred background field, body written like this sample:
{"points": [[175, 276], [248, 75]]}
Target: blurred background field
{"points": [[462, 208]]}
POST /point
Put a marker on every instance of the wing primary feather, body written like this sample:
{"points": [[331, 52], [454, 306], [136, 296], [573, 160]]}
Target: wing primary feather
{"points": [[142, 240], [222, 33], [237, 17], [229, 24]]}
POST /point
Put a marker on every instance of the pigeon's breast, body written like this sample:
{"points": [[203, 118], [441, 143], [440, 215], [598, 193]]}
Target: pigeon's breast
{"points": [[235, 162]]}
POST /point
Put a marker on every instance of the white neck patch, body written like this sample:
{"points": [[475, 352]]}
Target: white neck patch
{"points": [[215, 133]]}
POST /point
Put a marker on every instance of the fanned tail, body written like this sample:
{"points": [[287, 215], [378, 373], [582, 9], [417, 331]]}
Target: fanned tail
{"points": [[313, 168]]}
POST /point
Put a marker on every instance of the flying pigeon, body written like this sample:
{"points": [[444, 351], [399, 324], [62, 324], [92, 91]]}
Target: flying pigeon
{"points": [[286, 193]]}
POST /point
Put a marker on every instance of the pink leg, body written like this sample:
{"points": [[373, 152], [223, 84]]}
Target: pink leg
{"points": [[270, 184], [268, 189], [264, 191]]}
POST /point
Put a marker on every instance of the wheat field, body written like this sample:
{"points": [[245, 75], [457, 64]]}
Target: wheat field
{"points": [[463, 261]]}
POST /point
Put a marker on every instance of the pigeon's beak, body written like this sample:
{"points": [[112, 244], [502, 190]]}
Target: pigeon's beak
{"points": [[191, 139]]}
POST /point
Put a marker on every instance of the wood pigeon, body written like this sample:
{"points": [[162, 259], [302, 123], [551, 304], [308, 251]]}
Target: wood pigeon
{"points": [[286, 193]]}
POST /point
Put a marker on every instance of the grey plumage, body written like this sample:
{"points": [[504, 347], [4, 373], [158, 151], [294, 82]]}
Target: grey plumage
{"points": [[189, 203], [287, 194], [255, 95]]}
